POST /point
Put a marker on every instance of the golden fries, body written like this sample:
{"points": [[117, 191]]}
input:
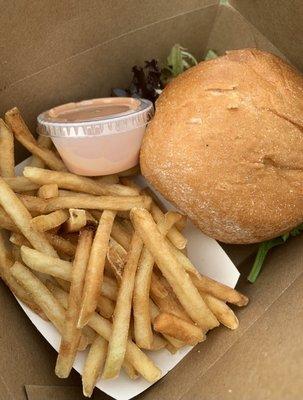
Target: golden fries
{"points": [[21, 132], [118, 341], [46, 143], [7, 159], [224, 314], [121, 235], [208, 285], [115, 259], [174, 343], [20, 184], [60, 244], [182, 330], [67, 180], [139, 360], [177, 239], [35, 205], [95, 268], [48, 191], [6, 222], [22, 218], [71, 334], [40, 294], [91, 202], [6, 263], [116, 256], [105, 307], [164, 297], [76, 221], [109, 289], [41, 262], [50, 221], [179, 280], [94, 365], [142, 318]]}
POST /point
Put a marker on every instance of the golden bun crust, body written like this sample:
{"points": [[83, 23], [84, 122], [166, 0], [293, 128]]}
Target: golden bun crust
{"points": [[226, 146]]}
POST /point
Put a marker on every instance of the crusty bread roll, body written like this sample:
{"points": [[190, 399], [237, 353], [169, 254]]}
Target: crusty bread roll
{"points": [[226, 146]]}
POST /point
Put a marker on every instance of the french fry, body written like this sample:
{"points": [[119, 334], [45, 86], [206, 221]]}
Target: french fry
{"points": [[105, 307], [158, 210], [61, 244], [130, 370], [6, 222], [141, 308], [176, 237], [21, 132], [94, 365], [76, 221], [98, 202], [109, 289], [175, 343], [46, 143], [88, 334], [178, 279], [40, 262], [118, 340], [154, 312], [224, 314], [50, 221], [40, 294], [16, 253], [165, 298], [20, 184], [158, 342], [116, 256], [182, 330], [19, 240], [114, 178], [171, 348], [67, 180], [95, 267], [6, 263], [90, 219], [7, 159], [121, 235], [208, 285], [139, 360], [35, 205], [21, 217], [71, 334], [48, 191], [61, 269]]}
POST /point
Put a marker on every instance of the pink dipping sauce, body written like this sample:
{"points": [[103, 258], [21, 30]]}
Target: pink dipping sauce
{"points": [[98, 136]]}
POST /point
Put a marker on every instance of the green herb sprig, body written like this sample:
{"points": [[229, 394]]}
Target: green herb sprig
{"points": [[264, 249]]}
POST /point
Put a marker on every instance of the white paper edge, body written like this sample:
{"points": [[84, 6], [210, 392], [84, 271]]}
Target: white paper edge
{"points": [[209, 258]]}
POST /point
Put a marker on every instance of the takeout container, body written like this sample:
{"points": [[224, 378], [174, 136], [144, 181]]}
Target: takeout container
{"points": [[72, 51], [98, 136]]}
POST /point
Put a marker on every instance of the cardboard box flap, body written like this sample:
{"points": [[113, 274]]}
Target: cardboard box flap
{"points": [[232, 31], [35, 392], [50, 32], [93, 72], [266, 362], [279, 21]]}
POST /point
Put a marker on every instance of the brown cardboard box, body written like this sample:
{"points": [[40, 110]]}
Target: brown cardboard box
{"points": [[62, 50]]}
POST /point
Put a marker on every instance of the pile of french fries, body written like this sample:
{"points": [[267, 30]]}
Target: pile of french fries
{"points": [[103, 261]]}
